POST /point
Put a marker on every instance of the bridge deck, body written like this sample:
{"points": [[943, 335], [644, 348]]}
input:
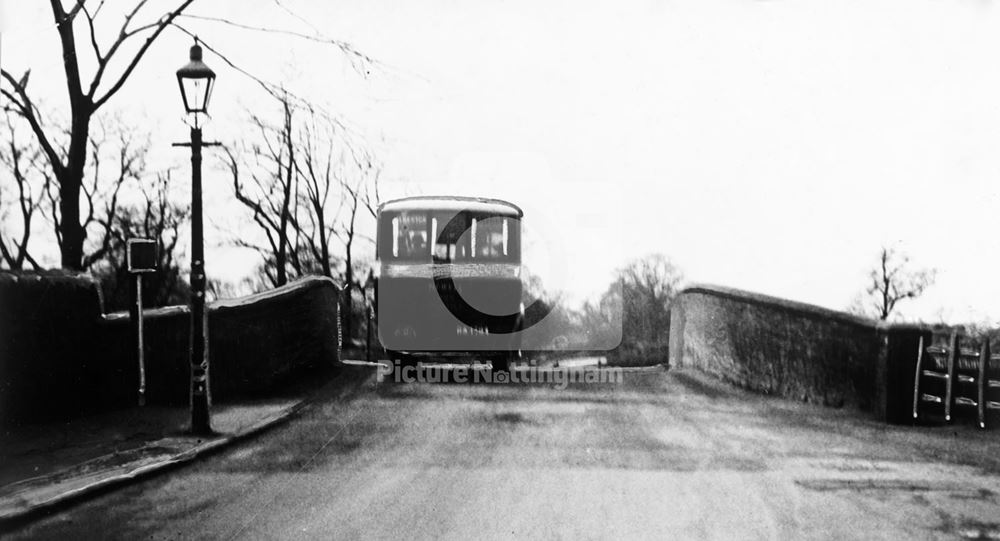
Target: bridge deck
{"points": [[663, 454]]}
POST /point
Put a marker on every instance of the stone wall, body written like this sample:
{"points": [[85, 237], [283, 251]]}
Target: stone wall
{"points": [[253, 342], [60, 355], [794, 350], [49, 326]]}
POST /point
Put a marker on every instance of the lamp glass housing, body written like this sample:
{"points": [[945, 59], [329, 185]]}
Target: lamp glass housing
{"points": [[196, 81]]}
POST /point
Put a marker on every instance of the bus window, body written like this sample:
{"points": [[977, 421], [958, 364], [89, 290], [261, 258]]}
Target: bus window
{"points": [[491, 237], [410, 236], [451, 243]]}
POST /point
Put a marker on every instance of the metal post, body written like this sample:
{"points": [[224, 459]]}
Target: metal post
{"points": [[950, 381], [200, 400], [142, 348], [916, 378], [368, 337], [369, 302], [981, 382]]}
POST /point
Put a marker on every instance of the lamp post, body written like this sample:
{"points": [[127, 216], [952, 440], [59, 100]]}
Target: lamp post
{"points": [[196, 81], [369, 283]]}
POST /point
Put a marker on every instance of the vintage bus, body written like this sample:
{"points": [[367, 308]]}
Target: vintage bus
{"points": [[449, 284]]}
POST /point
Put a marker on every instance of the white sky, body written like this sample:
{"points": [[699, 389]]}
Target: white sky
{"points": [[766, 145]]}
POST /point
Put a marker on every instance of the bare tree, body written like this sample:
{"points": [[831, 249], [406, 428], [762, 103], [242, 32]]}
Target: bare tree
{"points": [[552, 321], [360, 195], [154, 216], [308, 182], [338, 185], [893, 280], [266, 186], [339, 181], [94, 72], [87, 94], [101, 190], [599, 318], [27, 173], [648, 285], [116, 155], [317, 173]]}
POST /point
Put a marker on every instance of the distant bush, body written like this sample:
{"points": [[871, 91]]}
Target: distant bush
{"points": [[640, 354]]}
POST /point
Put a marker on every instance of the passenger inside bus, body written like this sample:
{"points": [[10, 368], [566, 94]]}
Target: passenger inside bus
{"points": [[417, 244], [409, 242]]}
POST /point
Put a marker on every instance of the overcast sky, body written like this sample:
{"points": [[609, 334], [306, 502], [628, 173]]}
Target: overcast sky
{"points": [[767, 145]]}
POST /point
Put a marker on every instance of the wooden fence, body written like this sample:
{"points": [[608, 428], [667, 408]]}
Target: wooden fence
{"points": [[954, 376]]}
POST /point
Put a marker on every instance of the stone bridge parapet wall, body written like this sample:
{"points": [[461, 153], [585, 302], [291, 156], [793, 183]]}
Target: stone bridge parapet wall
{"points": [[794, 350], [60, 354]]}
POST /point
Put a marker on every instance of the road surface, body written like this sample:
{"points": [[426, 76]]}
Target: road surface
{"points": [[664, 454]]}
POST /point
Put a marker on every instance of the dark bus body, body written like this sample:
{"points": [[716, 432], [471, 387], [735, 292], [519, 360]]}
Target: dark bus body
{"points": [[449, 282]]}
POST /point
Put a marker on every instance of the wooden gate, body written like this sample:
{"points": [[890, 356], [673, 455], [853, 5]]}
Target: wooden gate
{"points": [[953, 377]]}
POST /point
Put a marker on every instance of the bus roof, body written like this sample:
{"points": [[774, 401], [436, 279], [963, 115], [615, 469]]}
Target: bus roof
{"points": [[477, 204]]}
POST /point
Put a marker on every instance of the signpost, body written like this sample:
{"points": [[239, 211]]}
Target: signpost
{"points": [[369, 283], [140, 255]]}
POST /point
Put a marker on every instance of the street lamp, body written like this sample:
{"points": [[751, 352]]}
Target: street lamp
{"points": [[196, 81]]}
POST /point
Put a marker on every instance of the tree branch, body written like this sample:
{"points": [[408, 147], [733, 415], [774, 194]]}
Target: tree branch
{"points": [[344, 47], [93, 33], [27, 110], [159, 26]]}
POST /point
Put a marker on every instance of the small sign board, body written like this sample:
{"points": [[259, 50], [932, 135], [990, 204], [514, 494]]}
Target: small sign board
{"points": [[140, 255]]}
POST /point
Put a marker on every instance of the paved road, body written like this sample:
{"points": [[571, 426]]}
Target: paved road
{"points": [[661, 455]]}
